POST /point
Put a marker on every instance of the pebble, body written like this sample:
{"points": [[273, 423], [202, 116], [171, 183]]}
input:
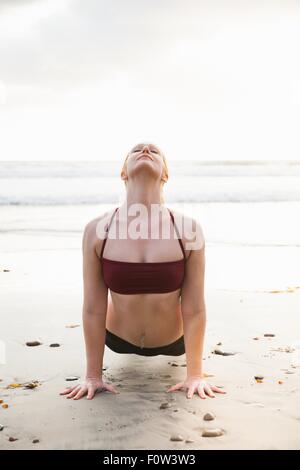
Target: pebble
{"points": [[219, 344], [54, 345], [1, 427], [165, 405], [12, 439], [6, 270], [174, 364], [212, 432], [189, 440], [33, 343], [4, 405], [14, 385], [69, 379], [287, 349], [72, 326], [176, 437], [208, 417], [222, 353], [32, 384], [259, 377], [35, 441], [256, 338], [269, 335]]}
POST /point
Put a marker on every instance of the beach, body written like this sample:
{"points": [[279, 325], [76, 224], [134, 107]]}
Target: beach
{"points": [[251, 291]]}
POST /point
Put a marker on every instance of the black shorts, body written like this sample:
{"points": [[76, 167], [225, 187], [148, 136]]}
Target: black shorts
{"points": [[119, 345]]}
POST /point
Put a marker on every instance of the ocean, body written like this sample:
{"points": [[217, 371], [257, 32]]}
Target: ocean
{"points": [[249, 212], [68, 183]]}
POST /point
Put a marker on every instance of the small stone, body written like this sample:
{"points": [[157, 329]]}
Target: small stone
{"points": [[1, 401], [176, 438], [280, 382], [174, 364], [189, 440], [14, 385], [69, 379], [259, 377], [219, 344], [222, 353], [33, 343], [1, 427], [183, 365], [175, 411], [5, 405], [165, 405], [256, 338], [167, 376], [72, 326], [208, 417], [6, 270], [35, 441], [12, 439], [212, 432], [269, 335], [54, 345], [32, 384]]}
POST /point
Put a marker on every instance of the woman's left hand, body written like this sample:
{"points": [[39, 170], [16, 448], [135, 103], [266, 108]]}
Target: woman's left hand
{"points": [[196, 384]]}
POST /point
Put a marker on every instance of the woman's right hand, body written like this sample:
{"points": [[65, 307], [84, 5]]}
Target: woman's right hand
{"points": [[88, 387]]}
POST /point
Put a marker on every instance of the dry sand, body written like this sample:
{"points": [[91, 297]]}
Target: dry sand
{"points": [[41, 294]]}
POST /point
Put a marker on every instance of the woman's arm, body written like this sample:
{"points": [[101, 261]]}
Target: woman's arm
{"points": [[94, 302], [194, 321], [94, 319], [193, 306]]}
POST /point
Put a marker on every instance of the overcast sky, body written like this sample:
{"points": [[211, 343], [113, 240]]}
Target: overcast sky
{"points": [[207, 80]]}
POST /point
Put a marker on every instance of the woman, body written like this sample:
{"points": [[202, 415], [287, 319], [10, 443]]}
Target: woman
{"points": [[156, 285]]}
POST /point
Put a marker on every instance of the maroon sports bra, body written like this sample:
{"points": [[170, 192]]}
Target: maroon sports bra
{"points": [[126, 277]]}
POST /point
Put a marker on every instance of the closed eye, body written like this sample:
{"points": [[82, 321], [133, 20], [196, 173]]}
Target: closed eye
{"points": [[138, 150]]}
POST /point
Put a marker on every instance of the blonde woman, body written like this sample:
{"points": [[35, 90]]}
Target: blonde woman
{"points": [[156, 286]]}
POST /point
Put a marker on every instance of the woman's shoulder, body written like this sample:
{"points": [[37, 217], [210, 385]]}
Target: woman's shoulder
{"points": [[96, 227], [190, 229]]}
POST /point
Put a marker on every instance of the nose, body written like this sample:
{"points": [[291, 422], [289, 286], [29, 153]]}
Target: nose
{"points": [[145, 148]]}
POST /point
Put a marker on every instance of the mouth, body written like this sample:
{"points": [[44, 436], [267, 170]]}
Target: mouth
{"points": [[145, 155]]}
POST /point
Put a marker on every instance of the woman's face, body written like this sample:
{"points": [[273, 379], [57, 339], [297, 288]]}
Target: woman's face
{"points": [[145, 156]]}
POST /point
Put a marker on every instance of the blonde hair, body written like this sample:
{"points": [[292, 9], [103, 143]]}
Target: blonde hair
{"points": [[165, 165]]}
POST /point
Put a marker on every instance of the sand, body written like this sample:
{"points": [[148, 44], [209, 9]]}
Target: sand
{"points": [[41, 294]]}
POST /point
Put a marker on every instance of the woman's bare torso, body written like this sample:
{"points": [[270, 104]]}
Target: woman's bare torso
{"points": [[145, 320]]}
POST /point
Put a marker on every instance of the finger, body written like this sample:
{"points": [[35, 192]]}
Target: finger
{"points": [[80, 393], [209, 392], [201, 392], [73, 392], [66, 390], [91, 393], [217, 389], [191, 392], [175, 387], [110, 388]]}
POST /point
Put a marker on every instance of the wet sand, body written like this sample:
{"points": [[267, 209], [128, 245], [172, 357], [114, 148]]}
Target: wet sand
{"points": [[41, 297]]}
